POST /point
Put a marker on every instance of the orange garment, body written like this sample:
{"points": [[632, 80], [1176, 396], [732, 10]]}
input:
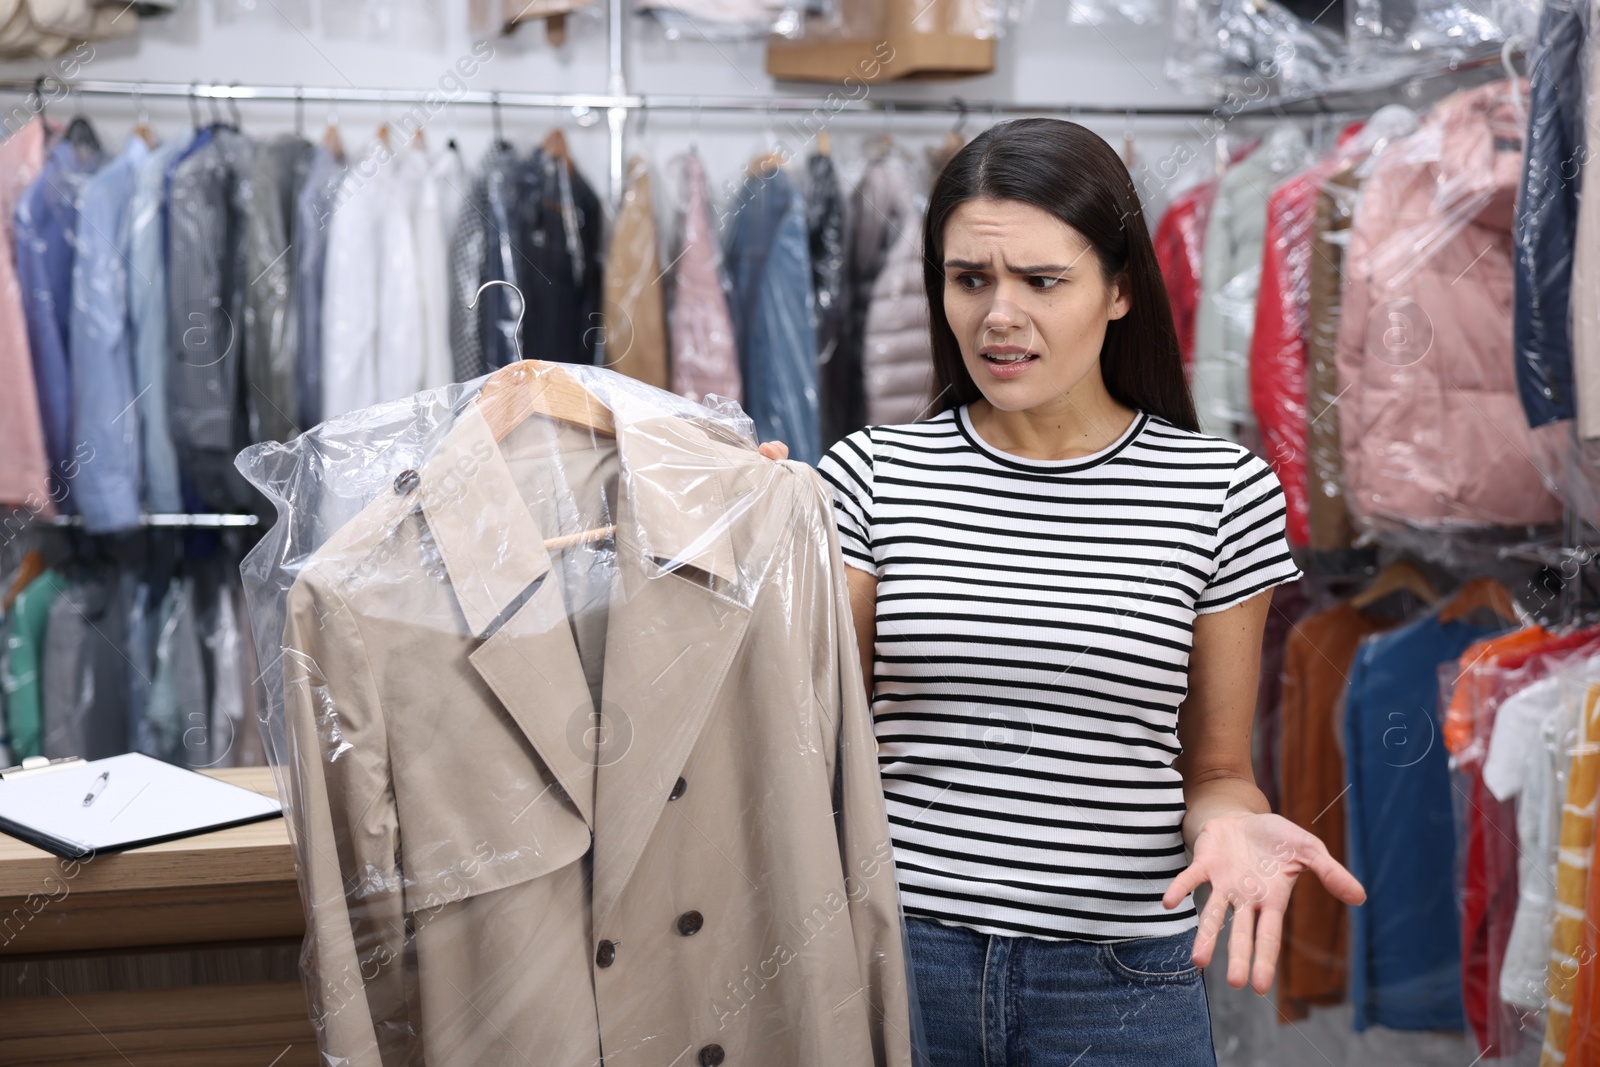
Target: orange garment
{"points": [[1476, 680], [1583, 1041], [31, 567], [1313, 967], [1568, 940]]}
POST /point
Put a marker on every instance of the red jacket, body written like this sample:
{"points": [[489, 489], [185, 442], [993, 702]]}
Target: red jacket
{"points": [[1278, 342], [1178, 240]]}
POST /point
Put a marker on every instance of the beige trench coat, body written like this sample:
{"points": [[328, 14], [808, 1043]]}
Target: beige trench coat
{"points": [[583, 806]]}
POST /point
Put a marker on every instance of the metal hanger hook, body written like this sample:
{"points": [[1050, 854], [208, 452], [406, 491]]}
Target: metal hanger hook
{"points": [[522, 308]]}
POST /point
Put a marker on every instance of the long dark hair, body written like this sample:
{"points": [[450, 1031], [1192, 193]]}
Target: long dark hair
{"points": [[1070, 172]]}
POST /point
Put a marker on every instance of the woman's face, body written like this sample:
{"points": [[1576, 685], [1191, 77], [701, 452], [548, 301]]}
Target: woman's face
{"points": [[1027, 301]]}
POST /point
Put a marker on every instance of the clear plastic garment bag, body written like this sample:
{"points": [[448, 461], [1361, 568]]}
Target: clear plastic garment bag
{"points": [[572, 736]]}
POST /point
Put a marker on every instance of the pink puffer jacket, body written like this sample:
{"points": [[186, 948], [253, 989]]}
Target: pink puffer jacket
{"points": [[1431, 426]]}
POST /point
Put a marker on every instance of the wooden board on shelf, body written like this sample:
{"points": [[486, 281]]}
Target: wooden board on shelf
{"points": [[243, 1025]]}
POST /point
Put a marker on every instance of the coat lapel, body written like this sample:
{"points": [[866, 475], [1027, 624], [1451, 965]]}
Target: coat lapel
{"points": [[669, 646], [680, 609], [688, 567], [493, 551]]}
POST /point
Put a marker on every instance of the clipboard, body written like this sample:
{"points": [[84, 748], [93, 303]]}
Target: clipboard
{"points": [[76, 808]]}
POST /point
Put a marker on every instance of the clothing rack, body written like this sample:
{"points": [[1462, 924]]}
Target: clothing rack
{"points": [[617, 102], [179, 519]]}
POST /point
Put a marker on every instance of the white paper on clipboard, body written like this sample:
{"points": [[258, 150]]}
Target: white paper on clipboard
{"points": [[137, 801]]}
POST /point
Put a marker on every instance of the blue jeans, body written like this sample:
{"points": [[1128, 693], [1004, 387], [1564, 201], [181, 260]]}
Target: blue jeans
{"points": [[993, 1001]]}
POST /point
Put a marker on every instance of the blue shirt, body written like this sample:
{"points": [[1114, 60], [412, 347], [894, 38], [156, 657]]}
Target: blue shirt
{"points": [[147, 311], [46, 224], [1405, 941], [769, 266], [105, 419]]}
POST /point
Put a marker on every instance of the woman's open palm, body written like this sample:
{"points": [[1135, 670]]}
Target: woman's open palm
{"points": [[1252, 862]]}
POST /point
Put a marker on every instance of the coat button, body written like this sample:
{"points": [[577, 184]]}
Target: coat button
{"points": [[677, 789], [690, 922], [711, 1055], [606, 954], [406, 482]]}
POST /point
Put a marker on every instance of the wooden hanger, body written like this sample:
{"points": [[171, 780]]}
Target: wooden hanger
{"points": [[1481, 593], [1397, 577], [533, 387], [765, 163], [332, 141], [555, 146], [141, 126], [824, 144]]}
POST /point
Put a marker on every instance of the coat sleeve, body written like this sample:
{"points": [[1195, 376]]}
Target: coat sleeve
{"points": [[346, 836], [865, 850]]}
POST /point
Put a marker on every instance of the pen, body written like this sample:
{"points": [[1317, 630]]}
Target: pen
{"points": [[97, 788]]}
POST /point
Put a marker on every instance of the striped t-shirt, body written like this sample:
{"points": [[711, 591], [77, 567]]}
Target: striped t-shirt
{"points": [[1034, 623]]}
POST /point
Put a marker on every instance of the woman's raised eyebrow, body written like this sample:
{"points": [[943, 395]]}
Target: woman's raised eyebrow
{"points": [[966, 264]]}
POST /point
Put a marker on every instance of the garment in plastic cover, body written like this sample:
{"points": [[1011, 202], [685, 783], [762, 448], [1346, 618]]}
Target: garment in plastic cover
{"points": [[1426, 32], [296, 12], [1432, 430], [704, 359], [727, 19], [774, 325], [1230, 281], [1100, 12], [1278, 341], [892, 22], [1506, 697], [1530, 755], [1247, 50], [1547, 213], [572, 737], [633, 314]]}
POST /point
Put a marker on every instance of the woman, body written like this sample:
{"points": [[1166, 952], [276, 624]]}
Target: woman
{"points": [[1059, 587]]}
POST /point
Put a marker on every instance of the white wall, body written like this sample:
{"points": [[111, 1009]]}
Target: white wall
{"points": [[1043, 59]]}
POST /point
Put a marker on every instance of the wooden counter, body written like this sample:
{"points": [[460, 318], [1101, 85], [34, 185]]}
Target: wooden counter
{"points": [[198, 902]]}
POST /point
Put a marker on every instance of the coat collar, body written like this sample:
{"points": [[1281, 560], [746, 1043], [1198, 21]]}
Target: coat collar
{"points": [[680, 478], [692, 550]]}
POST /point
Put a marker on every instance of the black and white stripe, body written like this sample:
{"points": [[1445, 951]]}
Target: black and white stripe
{"points": [[1034, 624]]}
